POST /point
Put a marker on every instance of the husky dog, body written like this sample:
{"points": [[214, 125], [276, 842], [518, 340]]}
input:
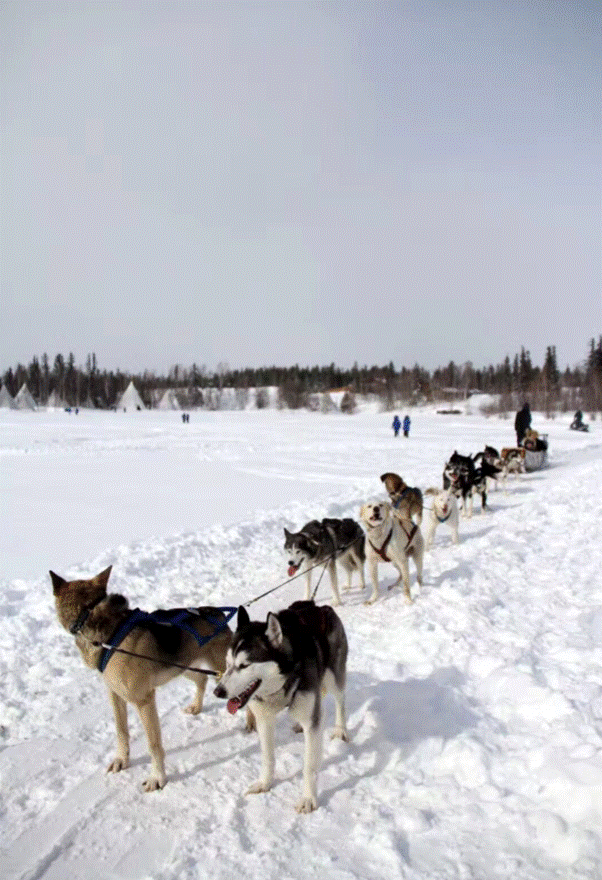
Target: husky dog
{"points": [[391, 539], [491, 456], [512, 460], [328, 542], [444, 510], [86, 610], [509, 461], [459, 475], [286, 663], [406, 500]]}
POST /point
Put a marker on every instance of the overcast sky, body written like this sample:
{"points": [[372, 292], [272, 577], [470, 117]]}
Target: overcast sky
{"points": [[299, 182]]}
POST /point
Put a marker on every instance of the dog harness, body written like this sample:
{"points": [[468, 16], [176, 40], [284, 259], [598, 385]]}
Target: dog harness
{"points": [[443, 519], [383, 548], [401, 497], [177, 617], [83, 615], [381, 552]]}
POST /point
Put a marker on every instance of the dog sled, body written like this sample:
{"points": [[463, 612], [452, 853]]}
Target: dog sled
{"points": [[536, 451]]}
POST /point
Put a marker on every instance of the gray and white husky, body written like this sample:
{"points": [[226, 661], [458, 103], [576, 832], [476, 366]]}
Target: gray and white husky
{"points": [[287, 662], [329, 541]]}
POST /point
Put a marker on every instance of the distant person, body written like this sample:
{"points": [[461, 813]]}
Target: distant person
{"points": [[522, 423], [406, 426], [396, 425], [578, 420]]}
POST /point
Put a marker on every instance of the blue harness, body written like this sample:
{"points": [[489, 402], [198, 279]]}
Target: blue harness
{"points": [[401, 497], [177, 617]]}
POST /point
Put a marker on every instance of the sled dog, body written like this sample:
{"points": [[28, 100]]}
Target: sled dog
{"points": [[444, 510], [406, 500], [93, 616], [459, 476], [326, 542], [391, 539], [286, 663], [491, 458]]}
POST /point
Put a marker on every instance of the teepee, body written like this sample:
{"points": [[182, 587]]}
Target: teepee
{"points": [[7, 401], [55, 401], [130, 399], [24, 400], [169, 400]]}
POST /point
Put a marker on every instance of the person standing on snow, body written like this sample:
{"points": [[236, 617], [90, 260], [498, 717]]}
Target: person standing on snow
{"points": [[522, 423], [406, 426], [396, 425]]}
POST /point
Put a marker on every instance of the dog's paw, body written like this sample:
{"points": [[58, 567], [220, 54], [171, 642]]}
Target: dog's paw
{"points": [[340, 733], [258, 787], [306, 805], [193, 709], [154, 783], [118, 764]]}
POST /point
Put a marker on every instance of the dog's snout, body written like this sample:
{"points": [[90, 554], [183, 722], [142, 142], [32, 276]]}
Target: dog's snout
{"points": [[220, 691]]}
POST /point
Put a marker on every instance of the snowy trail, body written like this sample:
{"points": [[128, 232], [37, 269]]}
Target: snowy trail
{"points": [[475, 713]]}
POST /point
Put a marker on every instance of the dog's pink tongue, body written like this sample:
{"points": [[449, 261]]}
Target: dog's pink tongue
{"points": [[291, 570], [233, 705]]}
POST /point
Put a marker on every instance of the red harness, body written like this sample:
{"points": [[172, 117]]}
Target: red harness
{"points": [[381, 552]]}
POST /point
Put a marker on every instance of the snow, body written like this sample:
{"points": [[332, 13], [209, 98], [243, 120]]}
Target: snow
{"points": [[475, 713]]}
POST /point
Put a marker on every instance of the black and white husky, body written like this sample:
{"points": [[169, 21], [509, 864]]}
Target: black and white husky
{"points": [[286, 663], [326, 542], [461, 475]]}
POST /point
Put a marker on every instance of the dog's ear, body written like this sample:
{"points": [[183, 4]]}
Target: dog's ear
{"points": [[287, 534], [392, 482], [102, 579], [243, 619], [57, 582], [274, 631]]}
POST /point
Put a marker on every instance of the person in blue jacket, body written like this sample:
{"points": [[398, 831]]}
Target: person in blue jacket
{"points": [[406, 426], [396, 425]]}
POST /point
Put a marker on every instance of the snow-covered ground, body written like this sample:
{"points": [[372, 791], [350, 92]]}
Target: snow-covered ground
{"points": [[475, 713]]}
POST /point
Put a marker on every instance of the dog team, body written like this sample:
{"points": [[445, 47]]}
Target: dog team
{"points": [[287, 661]]}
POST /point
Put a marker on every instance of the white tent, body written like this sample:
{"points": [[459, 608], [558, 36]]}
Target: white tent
{"points": [[169, 400], [130, 399], [7, 401], [24, 400], [55, 401]]}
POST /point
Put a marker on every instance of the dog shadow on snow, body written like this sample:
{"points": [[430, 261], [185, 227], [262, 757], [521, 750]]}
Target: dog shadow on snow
{"points": [[389, 719], [387, 722]]}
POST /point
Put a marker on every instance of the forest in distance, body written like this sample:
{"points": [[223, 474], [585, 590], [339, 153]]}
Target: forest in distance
{"points": [[547, 387]]}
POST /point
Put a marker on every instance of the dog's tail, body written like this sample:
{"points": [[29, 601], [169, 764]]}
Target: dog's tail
{"points": [[431, 491]]}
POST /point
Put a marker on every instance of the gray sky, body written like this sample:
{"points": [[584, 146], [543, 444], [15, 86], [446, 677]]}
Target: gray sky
{"points": [[300, 182]]}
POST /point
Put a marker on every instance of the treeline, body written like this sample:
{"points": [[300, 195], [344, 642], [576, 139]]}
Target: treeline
{"points": [[546, 387]]}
